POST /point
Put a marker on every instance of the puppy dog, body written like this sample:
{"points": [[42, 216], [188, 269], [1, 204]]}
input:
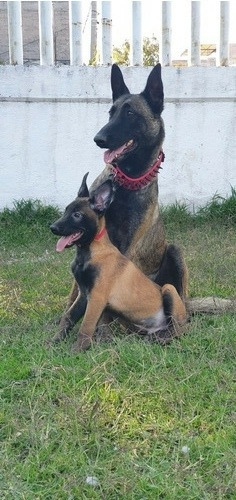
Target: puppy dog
{"points": [[106, 278]]}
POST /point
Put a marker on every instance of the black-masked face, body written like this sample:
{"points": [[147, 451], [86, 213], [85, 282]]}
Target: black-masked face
{"points": [[135, 131], [78, 225], [80, 222]]}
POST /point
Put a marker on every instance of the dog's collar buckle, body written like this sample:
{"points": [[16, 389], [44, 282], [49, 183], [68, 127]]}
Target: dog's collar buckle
{"points": [[135, 183]]}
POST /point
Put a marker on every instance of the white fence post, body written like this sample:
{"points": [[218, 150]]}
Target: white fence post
{"points": [[166, 34], [106, 33], [15, 32], [75, 27], [94, 32], [46, 32], [223, 52], [137, 40], [195, 47]]}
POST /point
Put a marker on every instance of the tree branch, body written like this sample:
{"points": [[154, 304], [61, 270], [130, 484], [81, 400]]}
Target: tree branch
{"points": [[210, 305]]}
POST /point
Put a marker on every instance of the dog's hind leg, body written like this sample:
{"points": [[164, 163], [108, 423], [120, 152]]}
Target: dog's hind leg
{"points": [[173, 270], [173, 305], [70, 318], [175, 313]]}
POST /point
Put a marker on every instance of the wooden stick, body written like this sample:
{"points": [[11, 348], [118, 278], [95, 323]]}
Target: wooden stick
{"points": [[210, 305]]}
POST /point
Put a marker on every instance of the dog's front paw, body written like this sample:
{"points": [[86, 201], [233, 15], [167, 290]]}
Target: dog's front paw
{"points": [[82, 343], [52, 341]]}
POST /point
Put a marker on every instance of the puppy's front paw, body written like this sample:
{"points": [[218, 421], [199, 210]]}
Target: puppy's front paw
{"points": [[52, 341], [82, 343], [104, 333]]}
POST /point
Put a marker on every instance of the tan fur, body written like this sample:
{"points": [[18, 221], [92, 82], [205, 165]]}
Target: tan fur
{"points": [[124, 287], [178, 310], [121, 286], [149, 233], [139, 249], [148, 244]]}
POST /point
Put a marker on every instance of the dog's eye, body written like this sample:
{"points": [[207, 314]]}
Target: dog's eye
{"points": [[130, 112], [77, 215]]}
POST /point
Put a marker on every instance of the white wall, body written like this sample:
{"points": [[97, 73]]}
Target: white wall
{"points": [[49, 116]]}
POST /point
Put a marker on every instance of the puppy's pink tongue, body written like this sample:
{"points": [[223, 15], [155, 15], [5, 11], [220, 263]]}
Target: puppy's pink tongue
{"points": [[67, 240], [63, 242]]}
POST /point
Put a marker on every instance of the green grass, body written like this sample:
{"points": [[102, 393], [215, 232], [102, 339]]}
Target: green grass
{"points": [[218, 211], [123, 411]]}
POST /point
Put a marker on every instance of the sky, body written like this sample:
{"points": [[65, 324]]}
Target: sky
{"points": [[151, 10]]}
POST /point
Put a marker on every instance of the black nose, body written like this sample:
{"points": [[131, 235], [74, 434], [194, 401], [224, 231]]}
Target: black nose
{"points": [[54, 229], [100, 140]]}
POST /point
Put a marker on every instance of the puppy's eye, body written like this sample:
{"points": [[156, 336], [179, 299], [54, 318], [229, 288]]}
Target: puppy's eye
{"points": [[77, 215]]}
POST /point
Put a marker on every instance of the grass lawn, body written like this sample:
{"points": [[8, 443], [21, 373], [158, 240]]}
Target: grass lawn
{"points": [[146, 421]]}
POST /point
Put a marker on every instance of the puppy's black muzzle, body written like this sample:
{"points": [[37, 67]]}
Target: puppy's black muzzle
{"points": [[54, 229]]}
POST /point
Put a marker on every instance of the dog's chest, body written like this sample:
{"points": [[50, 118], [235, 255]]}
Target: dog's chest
{"points": [[84, 271], [123, 218]]}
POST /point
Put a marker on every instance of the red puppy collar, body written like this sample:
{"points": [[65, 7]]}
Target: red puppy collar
{"points": [[100, 234]]}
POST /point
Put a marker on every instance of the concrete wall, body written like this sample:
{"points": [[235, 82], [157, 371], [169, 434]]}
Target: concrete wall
{"points": [[49, 116]]}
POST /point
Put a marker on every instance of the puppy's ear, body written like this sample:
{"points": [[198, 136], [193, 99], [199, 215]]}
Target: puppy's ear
{"points": [[118, 86], [83, 190], [153, 92], [102, 197]]}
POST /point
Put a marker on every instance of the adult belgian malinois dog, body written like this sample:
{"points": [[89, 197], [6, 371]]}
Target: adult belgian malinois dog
{"points": [[134, 138], [106, 278]]}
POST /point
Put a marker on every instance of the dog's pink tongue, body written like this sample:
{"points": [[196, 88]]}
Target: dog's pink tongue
{"points": [[109, 155], [62, 242], [67, 240]]}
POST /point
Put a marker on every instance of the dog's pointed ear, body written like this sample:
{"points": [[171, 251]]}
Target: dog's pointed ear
{"points": [[153, 92], [102, 197], [118, 86], [83, 190]]}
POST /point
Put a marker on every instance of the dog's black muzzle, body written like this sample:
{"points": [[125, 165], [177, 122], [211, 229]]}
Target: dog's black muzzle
{"points": [[55, 230], [105, 137], [101, 140]]}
